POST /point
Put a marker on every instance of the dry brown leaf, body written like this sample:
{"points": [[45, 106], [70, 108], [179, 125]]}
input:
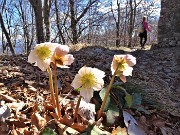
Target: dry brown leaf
{"points": [[65, 130], [16, 123], [119, 130], [5, 72], [14, 132], [16, 106], [49, 107], [142, 119], [20, 131], [79, 127], [35, 130], [26, 132], [38, 121], [158, 123], [66, 120], [7, 98], [163, 130], [54, 115], [31, 89], [4, 127], [1, 84], [17, 83], [15, 73]]}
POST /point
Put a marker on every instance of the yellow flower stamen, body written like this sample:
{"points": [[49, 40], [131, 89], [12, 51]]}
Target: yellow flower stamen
{"points": [[88, 80], [122, 63], [43, 52]]}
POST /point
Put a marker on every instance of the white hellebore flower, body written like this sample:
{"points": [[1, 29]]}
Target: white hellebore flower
{"points": [[61, 57], [88, 79], [125, 63], [41, 54]]}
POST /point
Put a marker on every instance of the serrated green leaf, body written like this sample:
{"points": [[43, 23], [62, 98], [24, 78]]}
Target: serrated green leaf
{"points": [[129, 100], [48, 131], [102, 95]]}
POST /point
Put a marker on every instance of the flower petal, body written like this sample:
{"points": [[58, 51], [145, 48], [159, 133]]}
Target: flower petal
{"points": [[76, 83], [131, 61], [99, 85], [98, 73], [128, 71], [61, 50], [51, 46], [123, 78], [43, 65], [32, 57], [85, 70], [87, 94], [68, 59]]}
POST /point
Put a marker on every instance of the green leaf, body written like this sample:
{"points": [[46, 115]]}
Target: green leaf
{"points": [[137, 99], [111, 115], [94, 130], [120, 94], [129, 100], [48, 131], [97, 131], [141, 109], [78, 89], [102, 95], [97, 100]]}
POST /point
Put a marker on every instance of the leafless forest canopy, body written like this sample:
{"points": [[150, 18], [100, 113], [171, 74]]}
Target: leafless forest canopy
{"points": [[98, 22]]}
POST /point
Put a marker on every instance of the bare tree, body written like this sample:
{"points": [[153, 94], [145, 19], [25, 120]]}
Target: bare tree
{"points": [[75, 18], [60, 33], [46, 11], [37, 6], [117, 22], [9, 44], [27, 20]]}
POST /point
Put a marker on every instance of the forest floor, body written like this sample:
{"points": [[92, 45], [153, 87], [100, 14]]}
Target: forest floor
{"points": [[156, 75]]}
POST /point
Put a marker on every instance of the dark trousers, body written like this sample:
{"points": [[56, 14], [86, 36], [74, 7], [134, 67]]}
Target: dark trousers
{"points": [[143, 38]]}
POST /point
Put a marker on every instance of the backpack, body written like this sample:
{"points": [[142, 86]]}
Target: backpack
{"points": [[141, 28]]}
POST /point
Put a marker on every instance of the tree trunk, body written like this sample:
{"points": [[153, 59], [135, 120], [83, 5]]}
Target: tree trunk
{"points": [[7, 35], [118, 26], [73, 23], [46, 11], [75, 20], [168, 25], [37, 6], [58, 24], [130, 24]]}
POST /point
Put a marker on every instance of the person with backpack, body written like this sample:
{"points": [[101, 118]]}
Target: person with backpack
{"points": [[144, 27]]}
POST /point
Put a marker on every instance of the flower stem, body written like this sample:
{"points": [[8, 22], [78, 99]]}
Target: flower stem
{"points": [[107, 93], [56, 91], [51, 87], [77, 107]]}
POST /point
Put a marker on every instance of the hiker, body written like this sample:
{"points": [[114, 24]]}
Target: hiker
{"points": [[143, 33]]}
